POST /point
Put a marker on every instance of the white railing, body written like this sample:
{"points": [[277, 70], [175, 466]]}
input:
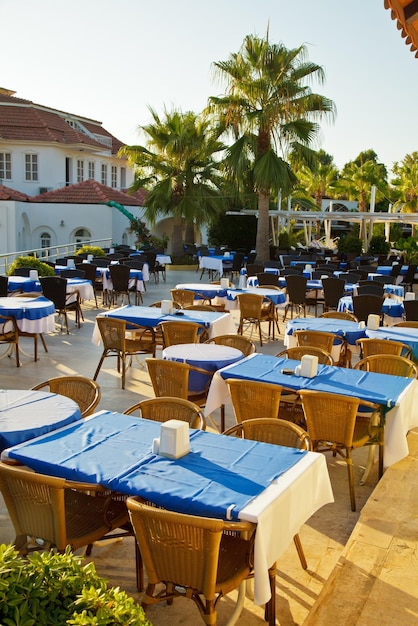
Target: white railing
{"points": [[51, 253]]}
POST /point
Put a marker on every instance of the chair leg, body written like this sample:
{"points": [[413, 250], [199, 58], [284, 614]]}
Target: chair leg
{"points": [[349, 462], [17, 354], [300, 551], [43, 342]]}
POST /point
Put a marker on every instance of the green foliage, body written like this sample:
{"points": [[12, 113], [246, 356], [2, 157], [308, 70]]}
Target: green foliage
{"points": [[56, 589], [144, 236], [94, 250], [234, 231], [35, 264], [379, 245], [409, 248], [351, 243]]}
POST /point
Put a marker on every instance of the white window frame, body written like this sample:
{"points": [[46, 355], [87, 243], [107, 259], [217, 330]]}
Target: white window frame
{"points": [[114, 176], [104, 174], [91, 169], [5, 166], [31, 167], [80, 170], [123, 177]]}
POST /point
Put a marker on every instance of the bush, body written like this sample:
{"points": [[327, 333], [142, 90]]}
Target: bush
{"points": [[379, 245], [35, 264], [94, 250], [55, 589], [350, 244]]}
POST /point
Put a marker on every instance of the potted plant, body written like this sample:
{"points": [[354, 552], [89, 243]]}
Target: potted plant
{"points": [[35, 264], [94, 250]]}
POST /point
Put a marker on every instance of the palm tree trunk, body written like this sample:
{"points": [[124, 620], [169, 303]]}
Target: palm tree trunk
{"points": [[189, 236], [177, 237], [262, 241]]}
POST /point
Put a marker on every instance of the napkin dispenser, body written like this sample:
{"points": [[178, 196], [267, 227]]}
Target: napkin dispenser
{"points": [[224, 283], [71, 263], [227, 255], [373, 322], [33, 274], [174, 439], [410, 295], [166, 306], [308, 366]]}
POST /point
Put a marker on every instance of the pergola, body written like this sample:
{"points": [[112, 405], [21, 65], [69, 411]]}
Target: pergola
{"points": [[405, 12]]}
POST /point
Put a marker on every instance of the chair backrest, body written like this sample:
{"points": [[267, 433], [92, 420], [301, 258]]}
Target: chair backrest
{"points": [[22, 271], [410, 274], [296, 288], [275, 431], [298, 352], [113, 333], [84, 391], [411, 310], [329, 417], [55, 289], [250, 305], [407, 324], [267, 278], [182, 297], [385, 279], [238, 261], [340, 315], [317, 338], [162, 409], [134, 263], [350, 277], [292, 271], [252, 399], [4, 286], [89, 270], [72, 273], [101, 261], [370, 346], [254, 268], [377, 289], [388, 364], [396, 269], [240, 342], [363, 306], [200, 307], [169, 378], [251, 257], [179, 332], [318, 274], [120, 275], [333, 290]]}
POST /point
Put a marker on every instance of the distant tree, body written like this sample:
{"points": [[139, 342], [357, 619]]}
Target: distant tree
{"points": [[358, 176], [179, 168], [405, 183], [268, 110]]}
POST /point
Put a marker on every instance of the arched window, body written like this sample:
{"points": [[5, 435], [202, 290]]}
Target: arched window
{"points": [[45, 241], [82, 235]]}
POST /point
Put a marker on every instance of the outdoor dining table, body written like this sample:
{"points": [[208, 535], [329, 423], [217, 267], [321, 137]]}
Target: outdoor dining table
{"points": [[207, 290], [275, 296], [403, 334], [392, 309], [347, 329], [216, 323], [25, 414], [23, 283], [32, 315], [206, 356], [386, 269], [215, 263], [275, 487], [395, 394], [136, 278]]}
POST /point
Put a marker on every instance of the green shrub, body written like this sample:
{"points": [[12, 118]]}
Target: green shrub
{"points": [[94, 250], [379, 245], [35, 264], [56, 589], [351, 243], [409, 249]]}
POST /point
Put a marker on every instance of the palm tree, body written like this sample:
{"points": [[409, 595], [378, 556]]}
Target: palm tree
{"points": [[405, 183], [178, 167], [270, 110], [358, 177]]}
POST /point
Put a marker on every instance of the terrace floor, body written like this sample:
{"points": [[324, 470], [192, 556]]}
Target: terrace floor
{"points": [[324, 536]]}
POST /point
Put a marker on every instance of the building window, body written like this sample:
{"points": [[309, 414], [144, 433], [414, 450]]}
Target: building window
{"points": [[91, 170], [81, 235], [31, 167], [5, 166], [80, 171], [123, 177], [114, 176], [45, 242], [104, 174]]}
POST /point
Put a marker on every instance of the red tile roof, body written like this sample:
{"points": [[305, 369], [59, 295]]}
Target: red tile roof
{"points": [[87, 192], [11, 194], [22, 120], [140, 195], [405, 12]]}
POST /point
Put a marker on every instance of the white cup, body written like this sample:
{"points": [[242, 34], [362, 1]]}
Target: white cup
{"points": [[33, 274], [362, 325], [297, 370], [156, 445]]}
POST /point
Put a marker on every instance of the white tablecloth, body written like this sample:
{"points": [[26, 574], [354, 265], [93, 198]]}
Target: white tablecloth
{"points": [[33, 315], [214, 263], [82, 285]]}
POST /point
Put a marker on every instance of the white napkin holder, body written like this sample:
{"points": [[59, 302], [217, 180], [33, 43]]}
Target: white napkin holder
{"points": [[33, 274], [224, 283], [89, 258], [166, 306], [112, 251], [373, 322], [227, 255], [308, 268], [70, 263], [410, 295], [174, 439], [308, 366], [324, 276]]}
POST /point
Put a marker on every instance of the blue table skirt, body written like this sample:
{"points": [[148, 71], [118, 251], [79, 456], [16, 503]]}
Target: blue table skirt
{"points": [[278, 297], [24, 284], [151, 316], [218, 478], [27, 308], [386, 269], [382, 389], [390, 306], [345, 328]]}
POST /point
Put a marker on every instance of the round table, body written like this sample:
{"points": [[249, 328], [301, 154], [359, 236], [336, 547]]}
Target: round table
{"points": [[32, 315], [208, 356], [25, 414]]}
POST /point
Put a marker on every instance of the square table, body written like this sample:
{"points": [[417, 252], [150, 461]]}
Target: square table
{"points": [[347, 329], [275, 487], [215, 263], [392, 309], [397, 395], [403, 334]]}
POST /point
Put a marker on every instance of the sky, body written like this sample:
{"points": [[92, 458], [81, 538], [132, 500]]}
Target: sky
{"points": [[110, 60]]}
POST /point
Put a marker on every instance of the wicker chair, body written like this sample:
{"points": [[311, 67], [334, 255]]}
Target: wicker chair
{"points": [[113, 331], [234, 341], [195, 557], [298, 352], [200, 307], [60, 512], [4, 286], [169, 408], [72, 273], [255, 309], [332, 425], [55, 289], [90, 274], [377, 289], [325, 341], [84, 391], [9, 334], [171, 378], [253, 399], [184, 297], [340, 315], [174, 333], [407, 324], [388, 364], [372, 346], [281, 433]]}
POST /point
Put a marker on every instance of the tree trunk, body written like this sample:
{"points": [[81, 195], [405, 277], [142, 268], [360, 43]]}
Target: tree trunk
{"points": [[262, 241], [177, 237], [189, 236]]}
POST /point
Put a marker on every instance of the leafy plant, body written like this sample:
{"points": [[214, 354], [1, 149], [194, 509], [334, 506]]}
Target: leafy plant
{"points": [[409, 248], [35, 264], [50, 588], [144, 236], [94, 250], [379, 245], [350, 244]]}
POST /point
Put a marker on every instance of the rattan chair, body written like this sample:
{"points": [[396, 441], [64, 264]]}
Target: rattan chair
{"points": [[55, 289], [407, 324], [253, 399], [385, 279], [9, 334], [368, 347], [340, 315], [388, 364], [350, 277], [184, 297], [255, 309], [239, 342], [174, 333], [72, 273], [90, 274], [124, 339], [171, 378], [376, 289], [59, 512], [4, 286], [84, 391], [277, 432], [332, 425], [409, 280], [200, 307], [194, 557], [169, 408], [298, 352], [325, 341]]}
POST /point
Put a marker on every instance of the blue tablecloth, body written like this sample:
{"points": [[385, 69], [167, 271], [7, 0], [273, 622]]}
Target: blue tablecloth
{"points": [[390, 307], [151, 316], [397, 333], [25, 414], [276, 297], [217, 478], [23, 283], [382, 389], [345, 328], [386, 269], [27, 308]]}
